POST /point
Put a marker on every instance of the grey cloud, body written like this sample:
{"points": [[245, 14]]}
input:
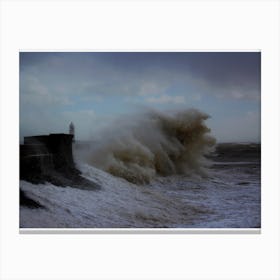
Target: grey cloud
{"points": [[35, 93], [166, 99], [53, 84], [221, 74]]}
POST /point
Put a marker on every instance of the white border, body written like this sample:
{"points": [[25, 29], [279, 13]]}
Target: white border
{"points": [[138, 25]]}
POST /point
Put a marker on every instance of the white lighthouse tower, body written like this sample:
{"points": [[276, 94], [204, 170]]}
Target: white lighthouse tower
{"points": [[72, 130]]}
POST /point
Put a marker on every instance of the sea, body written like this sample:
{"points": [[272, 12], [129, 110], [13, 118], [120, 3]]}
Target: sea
{"points": [[157, 171]]}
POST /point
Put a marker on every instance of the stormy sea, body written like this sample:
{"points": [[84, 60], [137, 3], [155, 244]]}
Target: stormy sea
{"points": [[155, 170]]}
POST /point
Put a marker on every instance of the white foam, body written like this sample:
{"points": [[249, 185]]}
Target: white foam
{"points": [[117, 204], [225, 199]]}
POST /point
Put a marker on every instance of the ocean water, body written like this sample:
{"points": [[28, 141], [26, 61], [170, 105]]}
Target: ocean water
{"points": [[228, 197], [155, 170]]}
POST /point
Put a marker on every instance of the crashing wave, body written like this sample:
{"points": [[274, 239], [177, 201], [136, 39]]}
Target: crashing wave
{"points": [[155, 143]]}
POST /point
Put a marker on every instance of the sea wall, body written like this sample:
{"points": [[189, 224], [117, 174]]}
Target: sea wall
{"points": [[49, 158], [58, 145]]}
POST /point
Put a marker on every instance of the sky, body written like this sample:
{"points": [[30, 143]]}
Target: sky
{"points": [[92, 89]]}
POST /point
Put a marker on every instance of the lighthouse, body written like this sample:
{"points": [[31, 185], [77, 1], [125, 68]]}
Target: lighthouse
{"points": [[72, 130]]}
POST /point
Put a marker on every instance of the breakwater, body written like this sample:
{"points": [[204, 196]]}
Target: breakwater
{"points": [[49, 158]]}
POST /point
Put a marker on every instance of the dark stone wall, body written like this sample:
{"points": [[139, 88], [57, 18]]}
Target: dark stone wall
{"points": [[59, 145], [50, 158]]}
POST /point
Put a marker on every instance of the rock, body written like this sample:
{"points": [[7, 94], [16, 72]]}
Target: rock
{"points": [[28, 202]]}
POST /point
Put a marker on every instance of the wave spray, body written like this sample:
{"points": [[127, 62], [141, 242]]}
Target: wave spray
{"points": [[153, 143]]}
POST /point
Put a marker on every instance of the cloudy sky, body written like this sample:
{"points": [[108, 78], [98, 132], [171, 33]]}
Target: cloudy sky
{"points": [[92, 89]]}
